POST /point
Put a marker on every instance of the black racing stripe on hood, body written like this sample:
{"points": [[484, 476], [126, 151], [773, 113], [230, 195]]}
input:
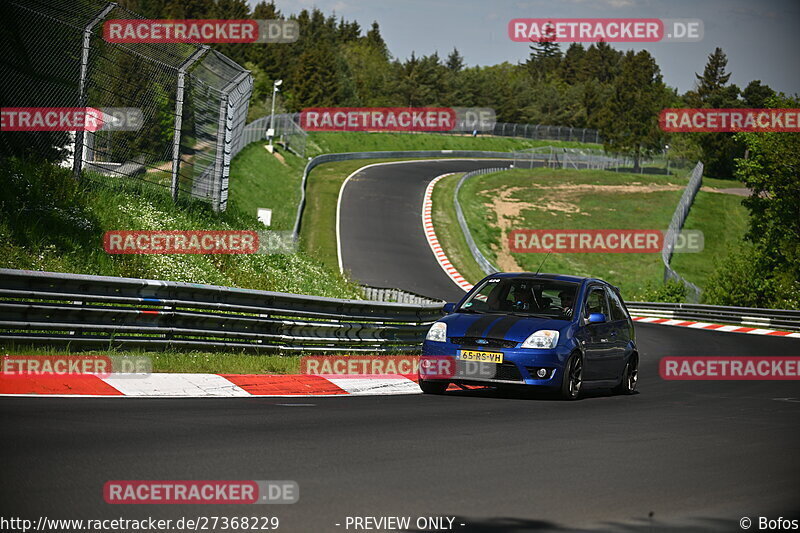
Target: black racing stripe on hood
{"points": [[501, 327], [477, 328]]}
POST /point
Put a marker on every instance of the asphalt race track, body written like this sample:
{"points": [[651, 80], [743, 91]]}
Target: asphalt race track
{"points": [[696, 454], [678, 456], [382, 241]]}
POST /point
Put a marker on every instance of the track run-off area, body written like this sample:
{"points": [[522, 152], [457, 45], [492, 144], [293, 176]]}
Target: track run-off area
{"points": [[679, 455]]}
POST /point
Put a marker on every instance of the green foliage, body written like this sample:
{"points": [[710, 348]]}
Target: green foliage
{"points": [[766, 273], [48, 221], [638, 95], [672, 291]]}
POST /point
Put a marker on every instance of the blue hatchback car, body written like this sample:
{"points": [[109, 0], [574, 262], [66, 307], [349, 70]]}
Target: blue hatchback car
{"points": [[564, 333]]}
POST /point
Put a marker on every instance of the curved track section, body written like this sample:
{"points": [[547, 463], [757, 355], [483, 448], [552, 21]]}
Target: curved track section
{"points": [[381, 238]]}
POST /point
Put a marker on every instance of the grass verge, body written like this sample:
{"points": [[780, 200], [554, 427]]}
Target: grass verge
{"points": [[188, 361], [48, 221], [572, 199]]}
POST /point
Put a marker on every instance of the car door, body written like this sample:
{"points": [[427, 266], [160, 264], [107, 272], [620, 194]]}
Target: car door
{"points": [[599, 338], [622, 334]]}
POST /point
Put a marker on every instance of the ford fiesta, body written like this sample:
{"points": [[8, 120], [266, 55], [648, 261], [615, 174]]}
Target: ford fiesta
{"points": [[564, 333]]}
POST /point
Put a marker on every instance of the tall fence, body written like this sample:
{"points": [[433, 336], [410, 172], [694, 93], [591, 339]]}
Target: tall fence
{"points": [[546, 133], [676, 224], [287, 132], [188, 101]]}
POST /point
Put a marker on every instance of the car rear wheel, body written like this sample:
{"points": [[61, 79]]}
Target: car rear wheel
{"points": [[433, 387], [573, 377], [630, 377]]}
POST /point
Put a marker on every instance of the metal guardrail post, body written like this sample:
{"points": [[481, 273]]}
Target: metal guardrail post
{"points": [[176, 139], [77, 160]]}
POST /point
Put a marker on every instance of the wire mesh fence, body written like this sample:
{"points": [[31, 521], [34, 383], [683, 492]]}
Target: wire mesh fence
{"points": [[187, 103], [287, 132], [693, 292]]}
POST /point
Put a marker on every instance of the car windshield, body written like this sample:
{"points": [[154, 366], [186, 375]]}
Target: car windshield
{"points": [[523, 296]]}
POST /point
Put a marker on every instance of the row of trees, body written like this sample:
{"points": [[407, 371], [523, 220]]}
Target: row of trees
{"points": [[338, 63]]}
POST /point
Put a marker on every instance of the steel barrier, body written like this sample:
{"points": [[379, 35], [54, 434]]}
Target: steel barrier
{"points": [[105, 312], [102, 312]]}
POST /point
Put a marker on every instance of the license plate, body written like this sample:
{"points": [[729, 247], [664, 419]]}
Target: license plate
{"points": [[481, 357]]}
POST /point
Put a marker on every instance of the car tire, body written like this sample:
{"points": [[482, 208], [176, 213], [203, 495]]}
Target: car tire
{"points": [[433, 387], [630, 377], [572, 378]]}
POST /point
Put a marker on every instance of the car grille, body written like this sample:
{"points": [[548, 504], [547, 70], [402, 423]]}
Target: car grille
{"points": [[490, 343], [488, 371]]}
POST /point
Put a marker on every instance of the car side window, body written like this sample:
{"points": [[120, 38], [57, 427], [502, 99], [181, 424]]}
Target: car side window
{"points": [[617, 309], [596, 302]]}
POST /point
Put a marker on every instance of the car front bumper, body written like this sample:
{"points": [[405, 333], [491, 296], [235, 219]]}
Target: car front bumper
{"points": [[519, 366]]}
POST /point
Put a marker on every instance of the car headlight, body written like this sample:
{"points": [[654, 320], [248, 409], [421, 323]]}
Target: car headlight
{"points": [[543, 339], [438, 332]]}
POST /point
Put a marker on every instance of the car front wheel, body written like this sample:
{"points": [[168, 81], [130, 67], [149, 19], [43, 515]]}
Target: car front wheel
{"points": [[573, 377]]}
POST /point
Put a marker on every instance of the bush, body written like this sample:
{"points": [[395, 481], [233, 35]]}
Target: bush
{"points": [[672, 292], [747, 278]]}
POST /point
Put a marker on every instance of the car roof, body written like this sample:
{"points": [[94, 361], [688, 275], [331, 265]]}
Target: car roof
{"points": [[557, 277]]}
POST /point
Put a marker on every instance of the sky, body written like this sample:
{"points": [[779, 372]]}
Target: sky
{"points": [[760, 37]]}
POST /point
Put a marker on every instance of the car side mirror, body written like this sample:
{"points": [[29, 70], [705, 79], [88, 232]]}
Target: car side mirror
{"points": [[597, 318], [449, 308]]}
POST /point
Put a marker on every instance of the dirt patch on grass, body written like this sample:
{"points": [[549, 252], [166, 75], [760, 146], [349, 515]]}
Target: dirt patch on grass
{"points": [[555, 199]]}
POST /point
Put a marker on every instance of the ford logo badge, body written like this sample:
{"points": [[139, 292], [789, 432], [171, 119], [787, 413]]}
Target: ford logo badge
{"points": [[482, 341]]}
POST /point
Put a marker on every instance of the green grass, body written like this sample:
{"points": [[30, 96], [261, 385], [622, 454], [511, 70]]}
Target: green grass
{"points": [[448, 231], [333, 142], [723, 220], [259, 179], [187, 361], [50, 222], [713, 213]]}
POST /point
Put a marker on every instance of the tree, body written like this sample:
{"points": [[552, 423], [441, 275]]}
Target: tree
{"points": [[711, 84], [631, 116], [545, 56], [711, 91], [766, 273], [455, 61], [756, 95]]}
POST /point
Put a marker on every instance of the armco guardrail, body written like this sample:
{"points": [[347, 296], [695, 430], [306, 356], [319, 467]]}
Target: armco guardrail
{"points": [[102, 312], [483, 262], [388, 294], [786, 319]]}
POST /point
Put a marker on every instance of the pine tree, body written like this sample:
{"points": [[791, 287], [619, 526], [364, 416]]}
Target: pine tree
{"points": [[455, 61], [711, 84]]}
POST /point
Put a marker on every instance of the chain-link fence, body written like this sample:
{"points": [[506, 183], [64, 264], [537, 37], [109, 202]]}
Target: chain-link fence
{"points": [[585, 158], [676, 224], [287, 132], [188, 102], [544, 132]]}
